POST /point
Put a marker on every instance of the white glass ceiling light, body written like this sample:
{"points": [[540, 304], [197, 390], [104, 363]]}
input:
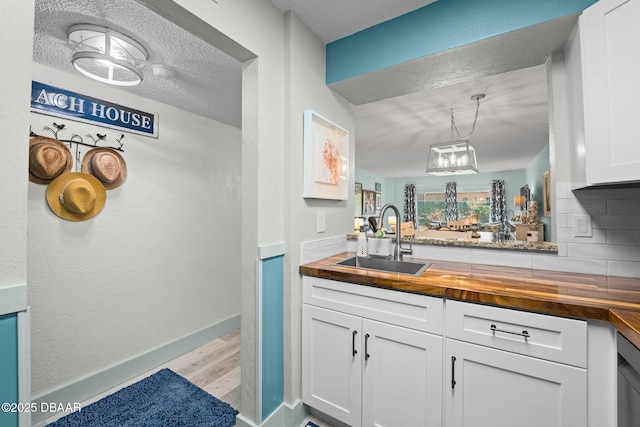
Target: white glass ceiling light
{"points": [[455, 157], [106, 55]]}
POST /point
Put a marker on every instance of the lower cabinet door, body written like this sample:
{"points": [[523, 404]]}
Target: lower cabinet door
{"points": [[402, 377], [489, 387], [331, 363]]}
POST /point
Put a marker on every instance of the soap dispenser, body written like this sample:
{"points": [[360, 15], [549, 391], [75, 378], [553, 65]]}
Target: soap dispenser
{"points": [[362, 249]]}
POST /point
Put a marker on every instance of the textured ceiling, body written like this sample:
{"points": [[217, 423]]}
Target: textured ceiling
{"points": [[334, 19], [207, 82], [392, 134]]}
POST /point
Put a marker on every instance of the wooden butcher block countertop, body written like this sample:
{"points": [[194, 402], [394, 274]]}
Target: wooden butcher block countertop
{"points": [[613, 299]]}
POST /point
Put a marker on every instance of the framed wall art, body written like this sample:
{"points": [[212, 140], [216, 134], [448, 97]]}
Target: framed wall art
{"points": [[358, 199], [368, 202], [526, 193], [546, 193], [326, 159]]}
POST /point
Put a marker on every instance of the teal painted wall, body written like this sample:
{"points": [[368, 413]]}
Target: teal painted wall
{"points": [[369, 180], [440, 26], [8, 367], [272, 334]]}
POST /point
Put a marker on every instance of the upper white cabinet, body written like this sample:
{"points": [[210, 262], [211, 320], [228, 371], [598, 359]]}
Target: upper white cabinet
{"points": [[602, 59]]}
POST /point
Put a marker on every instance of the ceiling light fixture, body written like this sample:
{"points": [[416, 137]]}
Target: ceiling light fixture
{"points": [[455, 157], [106, 55]]}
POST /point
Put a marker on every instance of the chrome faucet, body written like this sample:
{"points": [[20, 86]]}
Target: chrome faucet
{"points": [[398, 251]]}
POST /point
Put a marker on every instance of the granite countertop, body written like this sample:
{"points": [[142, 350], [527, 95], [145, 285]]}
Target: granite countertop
{"points": [[488, 241], [612, 299]]}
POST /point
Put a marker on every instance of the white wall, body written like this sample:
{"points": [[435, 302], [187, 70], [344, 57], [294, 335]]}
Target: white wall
{"points": [[16, 39], [157, 264], [307, 90], [287, 77], [258, 26]]}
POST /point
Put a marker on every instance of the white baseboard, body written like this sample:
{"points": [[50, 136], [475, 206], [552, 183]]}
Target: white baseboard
{"points": [[99, 382]]}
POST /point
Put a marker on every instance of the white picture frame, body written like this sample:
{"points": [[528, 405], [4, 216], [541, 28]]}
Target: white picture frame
{"points": [[326, 159]]}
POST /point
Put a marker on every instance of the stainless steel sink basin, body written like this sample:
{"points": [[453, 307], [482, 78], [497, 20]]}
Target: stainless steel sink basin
{"points": [[386, 265]]}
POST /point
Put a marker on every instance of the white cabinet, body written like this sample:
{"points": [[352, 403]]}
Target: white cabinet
{"points": [[379, 357], [402, 376], [366, 372], [603, 88], [515, 368], [502, 389], [332, 364]]}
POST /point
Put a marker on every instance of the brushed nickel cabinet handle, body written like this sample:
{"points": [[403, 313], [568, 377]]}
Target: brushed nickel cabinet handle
{"points": [[524, 333]]}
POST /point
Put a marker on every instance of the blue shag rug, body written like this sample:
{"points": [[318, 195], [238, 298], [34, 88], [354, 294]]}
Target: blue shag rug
{"points": [[165, 399]]}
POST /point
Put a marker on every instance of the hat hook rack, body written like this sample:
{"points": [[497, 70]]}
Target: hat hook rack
{"points": [[78, 140]]}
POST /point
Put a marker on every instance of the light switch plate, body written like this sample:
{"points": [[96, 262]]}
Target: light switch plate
{"points": [[321, 222], [582, 226]]}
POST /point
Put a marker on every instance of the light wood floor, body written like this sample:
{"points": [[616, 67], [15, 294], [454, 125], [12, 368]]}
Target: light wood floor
{"points": [[214, 367]]}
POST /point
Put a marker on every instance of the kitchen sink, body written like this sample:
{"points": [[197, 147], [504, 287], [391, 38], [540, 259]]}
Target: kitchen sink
{"points": [[385, 265]]}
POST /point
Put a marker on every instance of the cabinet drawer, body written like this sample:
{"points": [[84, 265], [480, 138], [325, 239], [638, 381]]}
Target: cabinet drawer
{"points": [[546, 337], [414, 311]]}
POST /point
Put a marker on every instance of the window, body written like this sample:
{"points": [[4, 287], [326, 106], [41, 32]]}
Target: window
{"points": [[431, 206], [474, 203]]}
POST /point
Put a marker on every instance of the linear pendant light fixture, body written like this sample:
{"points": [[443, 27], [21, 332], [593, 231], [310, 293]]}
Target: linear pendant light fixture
{"points": [[455, 157], [107, 55]]}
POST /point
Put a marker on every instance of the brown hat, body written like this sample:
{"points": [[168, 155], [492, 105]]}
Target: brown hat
{"points": [[76, 196], [48, 158], [106, 164]]}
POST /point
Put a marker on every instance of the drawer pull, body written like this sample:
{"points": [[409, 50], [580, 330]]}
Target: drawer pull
{"points": [[453, 372], [366, 347], [353, 343], [524, 333]]}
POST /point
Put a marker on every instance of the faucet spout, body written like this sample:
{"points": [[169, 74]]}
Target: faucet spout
{"points": [[397, 253]]}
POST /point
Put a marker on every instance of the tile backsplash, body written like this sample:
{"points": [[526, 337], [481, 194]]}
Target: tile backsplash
{"points": [[322, 248], [614, 248]]}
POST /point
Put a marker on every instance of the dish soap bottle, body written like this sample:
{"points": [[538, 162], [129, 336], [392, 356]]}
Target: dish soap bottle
{"points": [[361, 249]]}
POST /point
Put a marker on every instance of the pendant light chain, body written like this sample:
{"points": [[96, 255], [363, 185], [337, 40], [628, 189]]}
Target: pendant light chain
{"points": [[477, 98]]}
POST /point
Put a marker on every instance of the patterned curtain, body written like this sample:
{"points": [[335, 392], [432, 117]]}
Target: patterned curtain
{"points": [[451, 202], [410, 204], [498, 206]]}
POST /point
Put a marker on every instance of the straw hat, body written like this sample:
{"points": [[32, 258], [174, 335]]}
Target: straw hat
{"points": [[48, 158], [76, 196], [106, 164]]}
